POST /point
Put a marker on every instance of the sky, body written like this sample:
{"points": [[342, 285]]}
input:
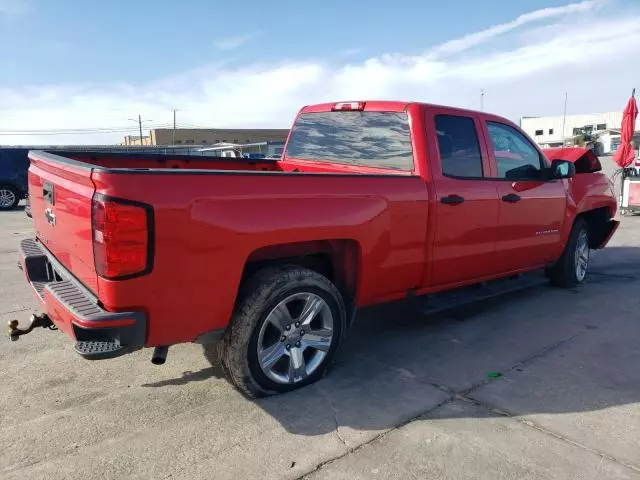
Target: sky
{"points": [[80, 72]]}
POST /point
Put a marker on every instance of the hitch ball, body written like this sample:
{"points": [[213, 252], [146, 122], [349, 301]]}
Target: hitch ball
{"points": [[13, 327], [35, 321]]}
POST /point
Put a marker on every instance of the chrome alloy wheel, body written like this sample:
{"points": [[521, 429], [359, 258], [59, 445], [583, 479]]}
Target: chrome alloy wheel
{"points": [[295, 338], [581, 260], [7, 198]]}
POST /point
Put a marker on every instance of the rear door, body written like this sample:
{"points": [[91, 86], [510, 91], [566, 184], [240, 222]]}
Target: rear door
{"points": [[532, 209], [467, 202], [60, 193]]}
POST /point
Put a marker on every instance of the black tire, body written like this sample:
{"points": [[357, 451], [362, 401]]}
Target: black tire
{"points": [[238, 349], [565, 272], [9, 190]]}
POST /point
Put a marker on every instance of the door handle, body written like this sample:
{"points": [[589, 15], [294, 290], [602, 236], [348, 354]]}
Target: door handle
{"points": [[452, 200], [511, 198]]}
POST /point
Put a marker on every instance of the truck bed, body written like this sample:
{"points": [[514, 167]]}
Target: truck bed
{"points": [[129, 161], [213, 218]]}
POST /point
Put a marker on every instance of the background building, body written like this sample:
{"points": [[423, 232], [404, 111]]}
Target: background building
{"points": [[548, 131], [208, 136], [135, 140]]}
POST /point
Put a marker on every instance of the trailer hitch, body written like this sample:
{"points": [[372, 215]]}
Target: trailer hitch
{"points": [[35, 321]]}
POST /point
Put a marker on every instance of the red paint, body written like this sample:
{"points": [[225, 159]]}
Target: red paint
{"points": [[386, 231], [572, 154], [584, 159]]}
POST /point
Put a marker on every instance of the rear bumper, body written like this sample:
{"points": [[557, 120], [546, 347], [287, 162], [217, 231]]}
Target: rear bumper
{"points": [[75, 311]]}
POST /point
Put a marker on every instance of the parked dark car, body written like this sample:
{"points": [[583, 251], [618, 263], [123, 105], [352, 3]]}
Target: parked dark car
{"points": [[13, 176]]}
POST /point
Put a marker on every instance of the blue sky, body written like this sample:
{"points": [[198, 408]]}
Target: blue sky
{"points": [[143, 40], [83, 64]]}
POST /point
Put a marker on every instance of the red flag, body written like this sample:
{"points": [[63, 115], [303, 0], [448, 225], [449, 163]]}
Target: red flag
{"points": [[624, 155]]}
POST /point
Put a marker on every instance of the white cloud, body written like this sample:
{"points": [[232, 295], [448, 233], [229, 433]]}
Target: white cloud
{"points": [[474, 39], [12, 7], [526, 72], [231, 43]]}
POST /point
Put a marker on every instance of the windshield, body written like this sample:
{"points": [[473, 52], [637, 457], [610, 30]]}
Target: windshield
{"points": [[373, 139]]}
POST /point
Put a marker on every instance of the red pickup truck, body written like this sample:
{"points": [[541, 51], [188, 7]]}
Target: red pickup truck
{"points": [[371, 202]]}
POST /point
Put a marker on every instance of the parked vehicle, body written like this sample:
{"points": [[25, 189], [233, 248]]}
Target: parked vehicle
{"points": [[13, 177], [371, 202]]}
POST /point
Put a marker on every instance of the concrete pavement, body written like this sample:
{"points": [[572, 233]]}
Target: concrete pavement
{"points": [[408, 398]]}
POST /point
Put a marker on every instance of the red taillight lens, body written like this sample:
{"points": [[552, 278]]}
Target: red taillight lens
{"points": [[121, 237], [348, 106]]}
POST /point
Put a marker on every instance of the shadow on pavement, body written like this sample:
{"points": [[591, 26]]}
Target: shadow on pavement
{"points": [[547, 350], [189, 376]]}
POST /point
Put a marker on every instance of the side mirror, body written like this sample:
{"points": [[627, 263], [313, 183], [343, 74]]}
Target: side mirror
{"points": [[560, 169]]}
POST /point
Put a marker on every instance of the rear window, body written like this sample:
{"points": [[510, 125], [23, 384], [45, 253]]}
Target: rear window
{"points": [[373, 139]]}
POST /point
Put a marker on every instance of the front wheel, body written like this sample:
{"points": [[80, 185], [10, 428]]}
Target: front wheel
{"points": [[572, 267], [285, 331]]}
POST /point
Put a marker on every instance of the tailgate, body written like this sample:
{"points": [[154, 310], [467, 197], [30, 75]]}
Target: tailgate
{"points": [[60, 194]]}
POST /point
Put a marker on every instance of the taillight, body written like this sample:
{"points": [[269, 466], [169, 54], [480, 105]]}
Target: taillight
{"points": [[121, 237], [348, 106]]}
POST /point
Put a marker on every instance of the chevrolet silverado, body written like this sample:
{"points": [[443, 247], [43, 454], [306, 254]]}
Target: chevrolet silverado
{"points": [[371, 202]]}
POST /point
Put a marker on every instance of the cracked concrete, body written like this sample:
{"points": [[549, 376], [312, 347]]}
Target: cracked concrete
{"points": [[408, 398], [327, 398]]}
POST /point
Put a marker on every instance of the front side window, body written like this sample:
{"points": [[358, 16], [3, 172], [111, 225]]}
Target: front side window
{"points": [[458, 147], [372, 139], [516, 158]]}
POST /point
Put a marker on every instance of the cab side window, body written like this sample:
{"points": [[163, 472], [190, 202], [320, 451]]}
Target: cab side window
{"points": [[516, 158], [458, 146]]}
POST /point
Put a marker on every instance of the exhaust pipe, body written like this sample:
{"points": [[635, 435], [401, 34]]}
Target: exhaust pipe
{"points": [[159, 355]]}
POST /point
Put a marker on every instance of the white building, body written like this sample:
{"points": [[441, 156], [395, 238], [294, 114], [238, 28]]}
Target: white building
{"points": [[547, 131]]}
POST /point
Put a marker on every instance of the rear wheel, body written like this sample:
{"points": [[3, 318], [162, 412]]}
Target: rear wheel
{"points": [[285, 331], [572, 267], [9, 197]]}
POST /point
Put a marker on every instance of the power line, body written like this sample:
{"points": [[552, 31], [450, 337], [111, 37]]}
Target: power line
{"points": [[36, 134], [74, 131]]}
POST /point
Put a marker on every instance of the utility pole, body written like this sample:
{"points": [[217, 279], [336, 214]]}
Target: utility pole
{"points": [[173, 136], [482, 99], [139, 122], [140, 125], [564, 117]]}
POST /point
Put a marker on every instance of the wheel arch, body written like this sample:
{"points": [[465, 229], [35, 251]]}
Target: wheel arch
{"points": [[337, 259], [597, 220]]}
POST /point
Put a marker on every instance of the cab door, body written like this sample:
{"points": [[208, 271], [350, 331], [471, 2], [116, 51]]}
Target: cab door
{"points": [[532, 208], [466, 200]]}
